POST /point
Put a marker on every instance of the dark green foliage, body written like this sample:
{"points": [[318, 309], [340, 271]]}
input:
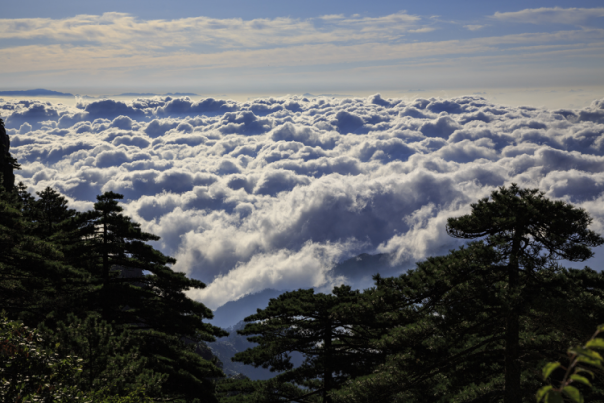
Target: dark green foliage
{"points": [[111, 360], [92, 281], [28, 371], [447, 341], [242, 390], [320, 327], [51, 215], [7, 163], [34, 277], [530, 232], [134, 287], [27, 204]]}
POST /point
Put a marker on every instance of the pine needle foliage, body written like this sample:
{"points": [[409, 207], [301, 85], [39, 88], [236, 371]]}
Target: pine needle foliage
{"points": [[322, 328], [530, 232], [30, 373], [450, 317], [35, 279]]}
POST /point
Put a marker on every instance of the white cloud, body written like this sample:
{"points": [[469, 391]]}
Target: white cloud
{"points": [[128, 32], [274, 192], [550, 15], [474, 27]]}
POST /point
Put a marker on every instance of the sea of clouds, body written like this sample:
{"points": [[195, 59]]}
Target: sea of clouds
{"points": [[272, 193]]}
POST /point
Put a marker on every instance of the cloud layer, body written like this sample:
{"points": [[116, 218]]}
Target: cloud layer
{"points": [[272, 193]]}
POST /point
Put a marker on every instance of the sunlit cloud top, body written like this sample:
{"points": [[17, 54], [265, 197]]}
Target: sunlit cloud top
{"points": [[275, 192]]}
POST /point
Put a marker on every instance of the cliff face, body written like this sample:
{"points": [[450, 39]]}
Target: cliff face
{"points": [[6, 166]]}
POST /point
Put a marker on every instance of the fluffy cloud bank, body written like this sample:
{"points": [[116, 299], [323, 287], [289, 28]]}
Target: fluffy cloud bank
{"points": [[274, 192]]}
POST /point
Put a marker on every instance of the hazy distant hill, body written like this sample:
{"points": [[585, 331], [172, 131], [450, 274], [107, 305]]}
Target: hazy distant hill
{"points": [[226, 347], [324, 95], [230, 316], [40, 92], [358, 271], [233, 312], [149, 94]]}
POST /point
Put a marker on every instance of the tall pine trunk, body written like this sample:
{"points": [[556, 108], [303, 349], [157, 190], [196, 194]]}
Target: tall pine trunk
{"points": [[105, 287], [512, 328], [327, 374]]}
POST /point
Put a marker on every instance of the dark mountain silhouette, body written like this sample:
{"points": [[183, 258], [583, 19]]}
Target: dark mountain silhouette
{"points": [[6, 160]]}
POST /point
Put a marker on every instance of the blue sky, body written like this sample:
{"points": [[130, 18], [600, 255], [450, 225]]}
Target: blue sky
{"points": [[352, 47]]}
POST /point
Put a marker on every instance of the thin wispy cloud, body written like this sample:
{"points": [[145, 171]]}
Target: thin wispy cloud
{"points": [[41, 58], [124, 47], [550, 15], [119, 29]]}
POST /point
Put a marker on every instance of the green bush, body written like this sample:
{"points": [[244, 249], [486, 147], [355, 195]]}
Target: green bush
{"points": [[583, 360], [28, 372]]}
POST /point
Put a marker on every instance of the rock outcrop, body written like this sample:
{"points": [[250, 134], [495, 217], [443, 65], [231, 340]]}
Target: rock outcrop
{"points": [[6, 160]]}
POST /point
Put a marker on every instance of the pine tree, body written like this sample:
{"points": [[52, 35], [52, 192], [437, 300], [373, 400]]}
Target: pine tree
{"points": [[317, 326], [447, 328], [27, 202], [135, 288], [449, 317], [111, 361], [33, 275], [99, 262], [530, 232], [52, 215]]}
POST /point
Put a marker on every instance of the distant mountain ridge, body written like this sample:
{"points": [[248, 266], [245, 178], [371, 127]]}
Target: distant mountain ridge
{"points": [[40, 92], [357, 270], [230, 315], [150, 94], [226, 347], [233, 312]]}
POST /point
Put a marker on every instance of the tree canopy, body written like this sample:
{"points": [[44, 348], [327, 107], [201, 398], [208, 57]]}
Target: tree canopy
{"points": [[474, 325], [92, 279], [529, 232]]}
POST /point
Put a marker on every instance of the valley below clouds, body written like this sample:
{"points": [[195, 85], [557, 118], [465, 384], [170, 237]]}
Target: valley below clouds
{"points": [[273, 193]]}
